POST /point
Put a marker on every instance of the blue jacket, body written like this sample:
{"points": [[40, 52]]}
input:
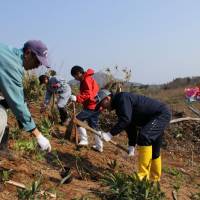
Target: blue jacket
{"points": [[135, 110], [11, 86]]}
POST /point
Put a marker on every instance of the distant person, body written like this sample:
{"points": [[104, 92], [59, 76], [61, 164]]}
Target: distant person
{"points": [[88, 91], [13, 62], [150, 115], [58, 86]]}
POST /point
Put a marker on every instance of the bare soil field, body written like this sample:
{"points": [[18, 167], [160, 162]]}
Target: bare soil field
{"points": [[180, 155]]}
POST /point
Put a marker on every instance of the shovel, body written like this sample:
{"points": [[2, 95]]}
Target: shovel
{"points": [[65, 173], [84, 125], [72, 128]]}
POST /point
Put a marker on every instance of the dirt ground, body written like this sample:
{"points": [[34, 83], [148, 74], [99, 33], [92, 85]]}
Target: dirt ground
{"points": [[180, 155]]}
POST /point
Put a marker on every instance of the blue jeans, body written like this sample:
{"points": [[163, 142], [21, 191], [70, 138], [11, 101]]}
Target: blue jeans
{"points": [[91, 116]]}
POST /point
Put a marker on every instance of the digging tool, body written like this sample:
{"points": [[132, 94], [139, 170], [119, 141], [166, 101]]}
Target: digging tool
{"points": [[52, 107], [72, 127], [84, 125], [194, 110], [65, 173], [184, 119]]}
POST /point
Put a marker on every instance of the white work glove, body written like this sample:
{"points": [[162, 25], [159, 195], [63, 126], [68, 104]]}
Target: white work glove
{"points": [[44, 143], [131, 151], [106, 136], [73, 98]]}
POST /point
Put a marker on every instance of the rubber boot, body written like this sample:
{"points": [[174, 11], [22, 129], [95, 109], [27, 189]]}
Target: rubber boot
{"points": [[98, 144], [144, 161], [83, 136], [156, 168]]}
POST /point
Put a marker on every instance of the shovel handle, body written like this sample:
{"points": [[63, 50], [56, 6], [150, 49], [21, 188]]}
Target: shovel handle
{"points": [[84, 125], [75, 127]]}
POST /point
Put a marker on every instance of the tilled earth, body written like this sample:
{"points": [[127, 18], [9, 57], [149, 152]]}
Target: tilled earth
{"points": [[180, 154]]}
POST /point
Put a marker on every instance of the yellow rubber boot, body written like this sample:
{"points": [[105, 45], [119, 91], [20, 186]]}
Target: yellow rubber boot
{"points": [[156, 168], [144, 161]]}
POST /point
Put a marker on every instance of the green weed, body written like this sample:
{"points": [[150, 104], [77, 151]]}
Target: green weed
{"points": [[15, 133], [173, 171], [45, 126], [129, 187], [30, 193]]}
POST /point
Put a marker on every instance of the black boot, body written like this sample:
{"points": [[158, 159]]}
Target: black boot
{"points": [[4, 151]]}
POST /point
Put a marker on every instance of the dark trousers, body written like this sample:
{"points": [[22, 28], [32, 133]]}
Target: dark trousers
{"points": [[152, 132], [63, 114], [91, 116]]}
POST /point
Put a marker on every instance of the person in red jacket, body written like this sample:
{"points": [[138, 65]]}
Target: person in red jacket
{"points": [[88, 91]]}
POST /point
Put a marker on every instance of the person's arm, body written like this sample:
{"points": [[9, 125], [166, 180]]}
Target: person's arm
{"points": [[132, 135], [54, 83], [86, 94], [47, 97], [124, 112], [12, 89]]}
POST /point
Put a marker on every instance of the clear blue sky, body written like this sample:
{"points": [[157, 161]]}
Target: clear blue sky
{"points": [[158, 39]]}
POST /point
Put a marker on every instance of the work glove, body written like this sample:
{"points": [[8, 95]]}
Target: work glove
{"points": [[44, 143], [106, 136], [73, 98], [131, 151], [43, 108], [55, 85]]}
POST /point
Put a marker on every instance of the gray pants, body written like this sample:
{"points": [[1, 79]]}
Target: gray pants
{"points": [[3, 121], [63, 98]]}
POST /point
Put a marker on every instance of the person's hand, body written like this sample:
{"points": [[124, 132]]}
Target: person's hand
{"points": [[73, 98], [43, 108], [43, 143], [131, 151], [106, 136]]}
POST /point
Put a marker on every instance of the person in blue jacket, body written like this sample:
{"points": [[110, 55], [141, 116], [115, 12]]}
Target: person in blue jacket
{"points": [[150, 115], [56, 85], [13, 62]]}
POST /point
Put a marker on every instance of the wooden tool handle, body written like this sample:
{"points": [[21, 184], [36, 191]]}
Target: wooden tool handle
{"points": [[84, 125], [21, 185], [75, 127]]}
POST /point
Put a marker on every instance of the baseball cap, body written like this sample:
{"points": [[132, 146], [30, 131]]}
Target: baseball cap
{"points": [[39, 49], [101, 95]]}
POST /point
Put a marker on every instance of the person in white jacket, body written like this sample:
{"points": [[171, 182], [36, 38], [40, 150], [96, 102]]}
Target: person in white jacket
{"points": [[58, 86]]}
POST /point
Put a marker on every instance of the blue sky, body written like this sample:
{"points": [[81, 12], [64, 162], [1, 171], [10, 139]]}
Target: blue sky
{"points": [[158, 39]]}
